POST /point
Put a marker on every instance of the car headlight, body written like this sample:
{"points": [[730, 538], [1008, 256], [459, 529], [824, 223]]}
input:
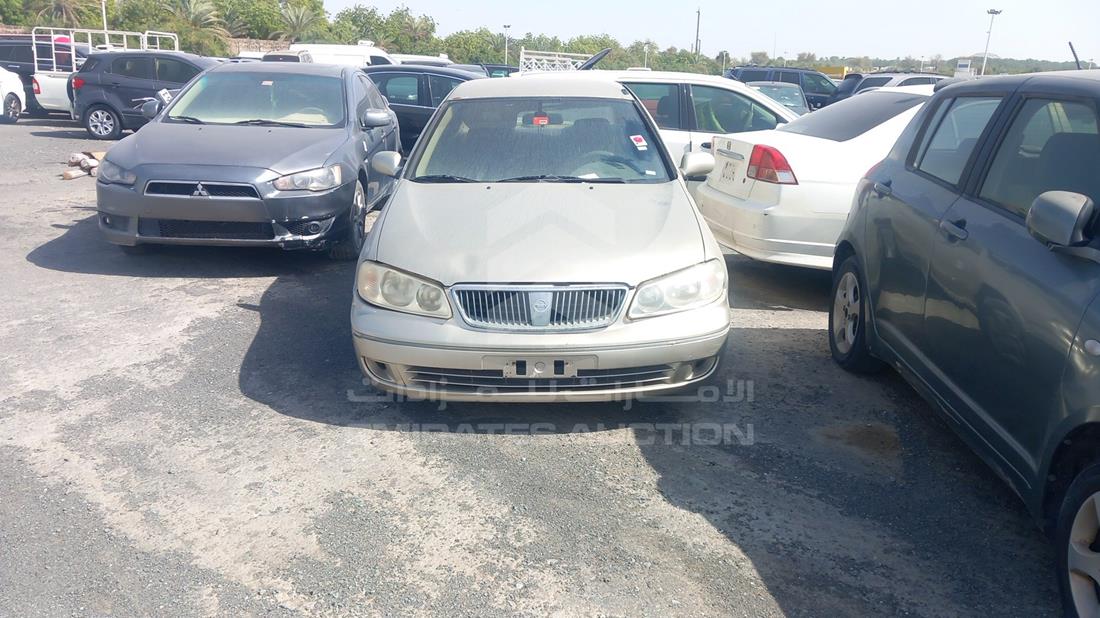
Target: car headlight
{"points": [[392, 289], [319, 179], [684, 289], [110, 173]]}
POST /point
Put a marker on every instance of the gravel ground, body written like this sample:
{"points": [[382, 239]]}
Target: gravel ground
{"points": [[186, 433]]}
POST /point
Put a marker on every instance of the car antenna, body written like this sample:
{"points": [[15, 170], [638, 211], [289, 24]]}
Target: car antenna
{"points": [[1075, 58]]}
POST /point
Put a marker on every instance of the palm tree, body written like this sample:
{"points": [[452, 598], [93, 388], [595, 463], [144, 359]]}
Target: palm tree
{"points": [[200, 14], [298, 21], [62, 12]]}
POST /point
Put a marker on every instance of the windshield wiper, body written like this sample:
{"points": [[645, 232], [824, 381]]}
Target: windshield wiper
{"points": [[188, 119], [443, 178], [557, 178], [263, 122]]}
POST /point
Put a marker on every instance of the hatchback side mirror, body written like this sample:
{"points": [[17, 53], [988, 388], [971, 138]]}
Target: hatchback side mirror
{"points": [[696, 164], [374, 118], [1060, 218], [387, 163], [150, 109]]}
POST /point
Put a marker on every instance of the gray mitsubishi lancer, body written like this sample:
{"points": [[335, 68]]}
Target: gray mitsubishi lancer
{"points": [[263, 154]]}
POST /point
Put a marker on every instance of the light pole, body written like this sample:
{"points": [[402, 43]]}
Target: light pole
{"points": [[989, 34], [103, 12], [922, 64], [507, 27], [645, 46]]}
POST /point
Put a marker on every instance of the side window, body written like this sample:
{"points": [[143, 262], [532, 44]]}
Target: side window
{"points": [[956, 126], [374, 98], [22, 53], [754, 75], [1051, 145], [916, 81], [399, 89], [722, 111], [873, 82], [813, 83], [138, 67], [788, 76], [440, 87], [174, 71], [662, 101], [5, 52], [375, 60], [359, 90]]}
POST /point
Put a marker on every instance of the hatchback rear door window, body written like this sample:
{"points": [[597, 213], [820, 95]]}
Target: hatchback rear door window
{"points": [[956, 127]]}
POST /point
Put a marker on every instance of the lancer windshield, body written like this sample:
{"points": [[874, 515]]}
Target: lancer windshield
{"points": [[262, 98], [541, 140]]}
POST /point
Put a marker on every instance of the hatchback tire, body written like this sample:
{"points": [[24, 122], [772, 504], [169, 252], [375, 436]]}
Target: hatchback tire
{"points": [[355, 233], [102, 122], [848, 320], [12, 109], [1077, 535]]}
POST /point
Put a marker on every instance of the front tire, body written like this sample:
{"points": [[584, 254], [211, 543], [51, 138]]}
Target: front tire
{"points": [[1078, 537], [12, 109], [848, 320], [355, 235], [102, 122]]}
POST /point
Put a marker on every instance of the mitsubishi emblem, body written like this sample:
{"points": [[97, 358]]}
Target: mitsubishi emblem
{"points": [[200, 191]]}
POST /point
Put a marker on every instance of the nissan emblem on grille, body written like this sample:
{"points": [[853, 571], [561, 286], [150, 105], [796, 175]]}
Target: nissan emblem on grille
{"points": [[540, 307]]}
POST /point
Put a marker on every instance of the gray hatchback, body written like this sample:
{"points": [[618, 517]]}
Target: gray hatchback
{"points": [[970, 262], [265, 154]]}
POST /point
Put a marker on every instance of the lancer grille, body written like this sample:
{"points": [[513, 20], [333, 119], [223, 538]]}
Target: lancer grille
{"points": [[535, 307], [201, 189]]}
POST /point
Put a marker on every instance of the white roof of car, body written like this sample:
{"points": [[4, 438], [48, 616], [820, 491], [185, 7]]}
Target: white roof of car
{"points": [[925, 89], [565, 84]]}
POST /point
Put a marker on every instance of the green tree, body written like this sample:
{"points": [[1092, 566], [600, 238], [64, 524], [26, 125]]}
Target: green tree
{"points": [[759, 57], [469, 46], [357, 23], [298, 22], [12, 12], [62, 13]]}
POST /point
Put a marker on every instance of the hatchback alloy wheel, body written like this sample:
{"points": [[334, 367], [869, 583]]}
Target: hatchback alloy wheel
{"points": [[12, 108], [1084, 558], [359, 216], [846, 307], [101, 123]]}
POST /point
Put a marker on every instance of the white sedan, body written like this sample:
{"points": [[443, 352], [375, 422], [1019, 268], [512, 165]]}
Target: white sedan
{"points": [[691, 109], [783, 195], [11, 93]]}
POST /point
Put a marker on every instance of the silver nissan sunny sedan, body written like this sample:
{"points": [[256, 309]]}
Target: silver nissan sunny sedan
{"points": [[540, 245]]}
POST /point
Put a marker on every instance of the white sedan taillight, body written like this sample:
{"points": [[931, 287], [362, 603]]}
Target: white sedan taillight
{"points": [[767, 164]]}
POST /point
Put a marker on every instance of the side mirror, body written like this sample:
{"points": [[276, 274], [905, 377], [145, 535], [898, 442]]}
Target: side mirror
{"points": [[696, 164], [1060, 218], [387, 163], [374, 118], [150, 109]]}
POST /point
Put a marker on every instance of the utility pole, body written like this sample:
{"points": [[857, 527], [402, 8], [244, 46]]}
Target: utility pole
{"points": [[988, 35], [103, 12], [506, 28], [698, 18]]}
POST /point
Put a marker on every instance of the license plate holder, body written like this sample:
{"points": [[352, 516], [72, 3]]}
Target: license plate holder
{"points": [[539, 367]]}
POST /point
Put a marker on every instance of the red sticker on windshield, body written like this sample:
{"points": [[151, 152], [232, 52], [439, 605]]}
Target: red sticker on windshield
{"points": [[639, 142], [540, 121]]}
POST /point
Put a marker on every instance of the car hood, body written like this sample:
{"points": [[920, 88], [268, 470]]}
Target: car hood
{"points": [[280, 149], [540, 232]]}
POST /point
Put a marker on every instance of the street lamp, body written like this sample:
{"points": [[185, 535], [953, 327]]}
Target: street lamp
{"points": [[992, 14], [507, 27]]}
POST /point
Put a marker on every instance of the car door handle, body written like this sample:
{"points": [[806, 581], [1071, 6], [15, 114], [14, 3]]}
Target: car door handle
{"points": [[883, 189], [954, 229]]}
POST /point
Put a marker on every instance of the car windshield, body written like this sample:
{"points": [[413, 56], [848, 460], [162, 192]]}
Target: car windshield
{"points": [[789, 95], [262, 97], [540, 140], [853, 117]]}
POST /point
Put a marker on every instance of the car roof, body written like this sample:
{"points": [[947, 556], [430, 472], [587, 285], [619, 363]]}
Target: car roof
{"points": [[649, 76], [103, 53], [754, 67], [924, 89], [773, 83], [421, 68], [303, 68], [1088, 77], [564, 85]]}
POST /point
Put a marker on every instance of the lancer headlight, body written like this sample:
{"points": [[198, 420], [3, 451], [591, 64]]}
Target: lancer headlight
{"points": [[392, 289], [114, 174], [684, 289], [319, 179]]}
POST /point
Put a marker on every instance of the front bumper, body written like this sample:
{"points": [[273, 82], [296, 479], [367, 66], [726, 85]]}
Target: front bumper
{"points": [[782, 234], [421, 358], [290, 220]]}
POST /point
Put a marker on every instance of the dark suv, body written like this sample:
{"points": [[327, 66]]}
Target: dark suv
{"points": [[17, 56], [970, 262], [817, 86], [111, 87]]}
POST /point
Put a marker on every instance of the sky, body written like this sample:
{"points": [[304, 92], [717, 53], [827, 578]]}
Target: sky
{"points": [[884, 29]]}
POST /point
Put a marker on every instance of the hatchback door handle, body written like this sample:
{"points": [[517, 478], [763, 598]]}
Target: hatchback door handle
{"points": [[954, 229], [882, 188]]}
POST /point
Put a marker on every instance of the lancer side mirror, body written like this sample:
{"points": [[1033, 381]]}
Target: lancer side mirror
{"points": [[374, 118], [696, 164], [150, 109], [1060, 218], [387, 163]]}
